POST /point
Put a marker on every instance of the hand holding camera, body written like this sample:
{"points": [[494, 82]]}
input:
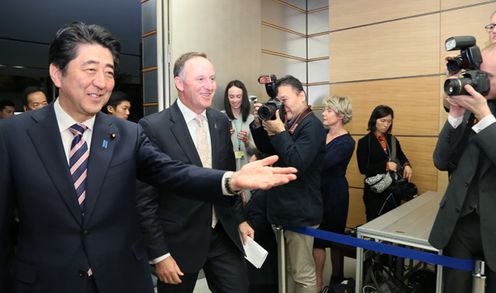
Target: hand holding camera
{"points": [[275, 125], [467, 91]]}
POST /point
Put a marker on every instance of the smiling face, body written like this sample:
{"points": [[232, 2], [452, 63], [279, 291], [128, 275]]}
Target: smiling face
{"points": [[87, 82], [235, 96], [196, 84]]}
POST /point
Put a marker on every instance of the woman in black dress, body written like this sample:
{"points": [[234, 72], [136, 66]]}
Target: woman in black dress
{"points": [[339, 149], [374, 157]]}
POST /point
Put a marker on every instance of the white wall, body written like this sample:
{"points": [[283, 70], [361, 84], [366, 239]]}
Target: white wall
{"points": [[228, 31]]}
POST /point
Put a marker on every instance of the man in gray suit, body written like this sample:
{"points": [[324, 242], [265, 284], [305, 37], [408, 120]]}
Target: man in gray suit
{"points": [[465, 223]]}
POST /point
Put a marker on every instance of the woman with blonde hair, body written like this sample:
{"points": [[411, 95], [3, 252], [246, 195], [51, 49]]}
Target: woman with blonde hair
{"points": [[334, 187]]}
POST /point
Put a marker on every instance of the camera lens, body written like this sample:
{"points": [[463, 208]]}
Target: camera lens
{"points": [[265, 112], [454, 87]]}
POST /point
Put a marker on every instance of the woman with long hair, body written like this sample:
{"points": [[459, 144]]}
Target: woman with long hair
{"points": [[237, 107]]}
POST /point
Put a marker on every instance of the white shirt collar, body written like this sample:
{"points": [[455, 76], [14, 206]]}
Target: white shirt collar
{"points": [[188, 114], [65, 121]]}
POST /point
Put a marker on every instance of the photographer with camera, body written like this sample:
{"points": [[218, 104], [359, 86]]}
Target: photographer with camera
{"points": [[464, 226], [286, 126]]}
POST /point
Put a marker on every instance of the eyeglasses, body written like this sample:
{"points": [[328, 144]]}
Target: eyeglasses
{"points": [[489, 28]]}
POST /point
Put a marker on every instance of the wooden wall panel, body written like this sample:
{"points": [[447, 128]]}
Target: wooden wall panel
{"points": [[356, 210], [449, 4], [406, 47], [345, 13], [415, 101]]}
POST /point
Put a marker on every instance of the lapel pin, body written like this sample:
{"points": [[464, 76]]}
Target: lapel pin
{"points": [[113, 135], [104, 143]]}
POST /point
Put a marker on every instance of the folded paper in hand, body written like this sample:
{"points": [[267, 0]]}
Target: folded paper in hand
{"points": [[255, 253]]}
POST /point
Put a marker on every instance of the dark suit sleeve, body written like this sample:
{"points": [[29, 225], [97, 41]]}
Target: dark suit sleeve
{"points": [[300, 150], [6, 213], [446, 147], [147, 210], [159, 170]]}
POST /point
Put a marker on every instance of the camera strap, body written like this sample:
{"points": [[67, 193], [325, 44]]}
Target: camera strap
{"points": [[292, 124]]}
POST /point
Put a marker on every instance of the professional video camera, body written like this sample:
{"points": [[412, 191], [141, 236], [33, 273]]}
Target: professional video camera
{"points": [[268, 110], [469, 60]]}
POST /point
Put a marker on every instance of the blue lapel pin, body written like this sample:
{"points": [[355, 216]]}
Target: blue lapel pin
{"points": [[104, 144]]}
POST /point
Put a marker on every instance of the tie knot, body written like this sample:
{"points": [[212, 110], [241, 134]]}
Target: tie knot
{"points": [[77, 129], [199, 119]]}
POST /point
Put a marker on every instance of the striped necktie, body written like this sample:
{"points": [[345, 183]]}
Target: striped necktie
{"points": [[78, 161]]}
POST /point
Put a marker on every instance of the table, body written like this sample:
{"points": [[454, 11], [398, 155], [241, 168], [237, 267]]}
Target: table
{"points": [[409, 225]]}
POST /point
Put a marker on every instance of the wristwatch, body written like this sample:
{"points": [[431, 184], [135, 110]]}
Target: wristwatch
{"points": [[227, 184]]}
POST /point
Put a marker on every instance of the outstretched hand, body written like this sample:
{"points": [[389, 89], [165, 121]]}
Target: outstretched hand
{"points": [[259, 175]]}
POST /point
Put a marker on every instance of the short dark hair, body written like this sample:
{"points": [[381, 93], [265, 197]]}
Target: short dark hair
{"points": [[380, 112], [64, 47], [6, 103], [179, 64], [29, 90], [245, 103], [115, 99], [291, 81]]}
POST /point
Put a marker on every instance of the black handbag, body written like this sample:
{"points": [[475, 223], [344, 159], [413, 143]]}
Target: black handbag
{"points": [[400, 187], [403, 189]]}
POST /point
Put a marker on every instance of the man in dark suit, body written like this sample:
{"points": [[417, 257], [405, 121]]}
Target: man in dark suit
{"points": [[191, 234], [465, 223], [70, 170], [299, 141]]}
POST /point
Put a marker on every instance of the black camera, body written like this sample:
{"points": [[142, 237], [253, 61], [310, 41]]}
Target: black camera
{"points": [[268, 110], [469, 61]]}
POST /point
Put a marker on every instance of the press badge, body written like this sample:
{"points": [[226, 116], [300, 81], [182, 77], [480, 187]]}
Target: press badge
{"points": [[239, 154]]}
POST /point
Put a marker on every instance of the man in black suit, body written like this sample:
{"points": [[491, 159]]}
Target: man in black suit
{"points": [[299, 141], [70, 171], [465, 223], [195, 234]]}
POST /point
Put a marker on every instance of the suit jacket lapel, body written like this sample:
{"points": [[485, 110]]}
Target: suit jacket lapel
{"points": [[214, 137], [46, 137], [181, 133], [103, 142]]}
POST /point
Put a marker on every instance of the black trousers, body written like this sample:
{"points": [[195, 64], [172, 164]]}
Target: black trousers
{"points": [[466, 243], [225, 268], [91, 285]]}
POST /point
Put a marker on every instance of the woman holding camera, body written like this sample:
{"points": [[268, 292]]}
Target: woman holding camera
{"points": [[374, 156], [237, 107]]}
